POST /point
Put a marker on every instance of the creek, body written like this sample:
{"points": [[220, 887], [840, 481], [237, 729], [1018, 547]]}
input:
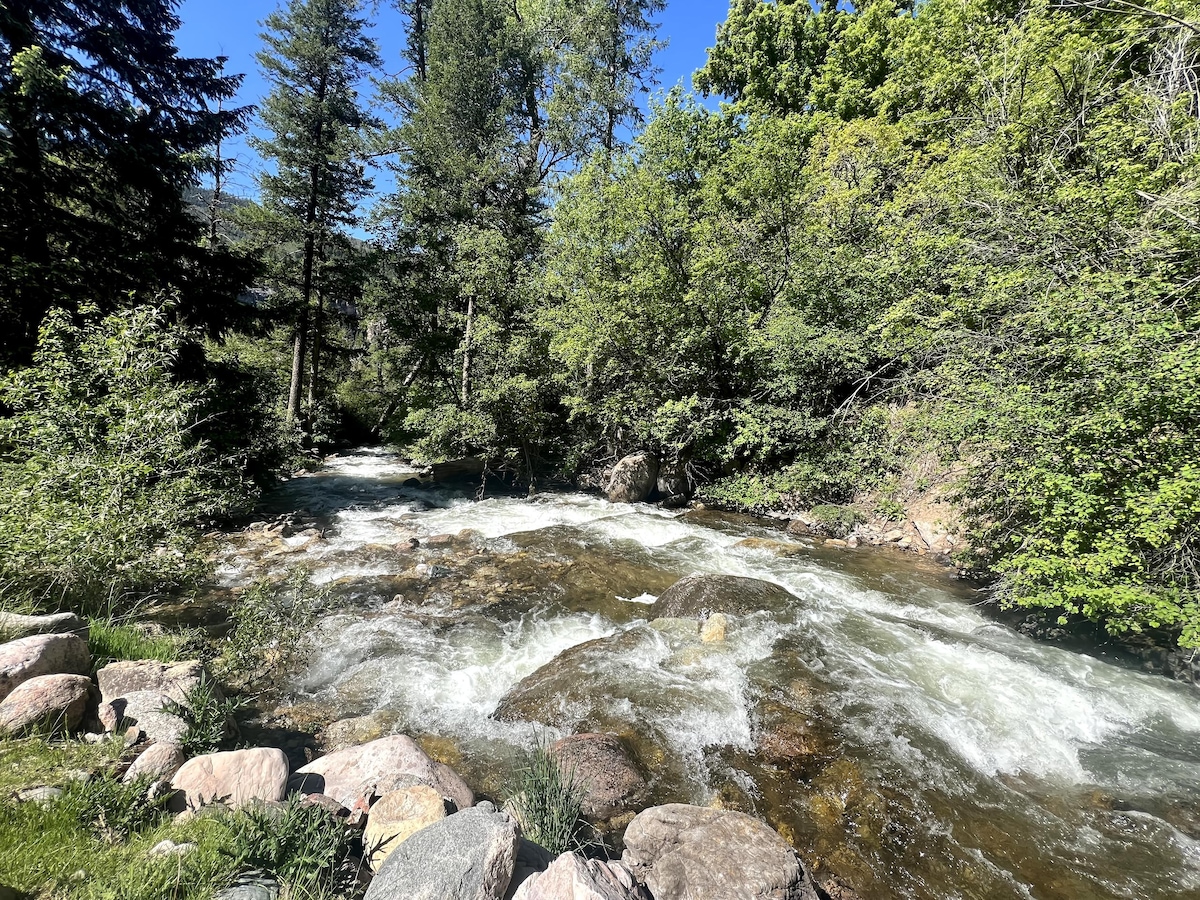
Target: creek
{"points": [[881, 722]]}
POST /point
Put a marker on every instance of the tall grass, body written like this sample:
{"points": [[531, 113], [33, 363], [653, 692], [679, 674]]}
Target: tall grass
{"points": [[549, 801]]}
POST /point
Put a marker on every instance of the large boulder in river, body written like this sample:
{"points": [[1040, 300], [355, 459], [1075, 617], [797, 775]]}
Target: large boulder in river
{"points": [[600, 764], [634, 478], [580, 688], [378, 768], [681, 851], [15, 625], [467, 856], [47, 703], [43, 654], [696, 596]]}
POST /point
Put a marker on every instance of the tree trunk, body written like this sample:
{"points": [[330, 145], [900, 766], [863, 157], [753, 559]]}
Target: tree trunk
{"points": [[466, 366], [318, 332], [298, 353]]}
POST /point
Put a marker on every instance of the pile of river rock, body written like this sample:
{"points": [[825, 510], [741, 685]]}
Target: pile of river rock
{"points": [[424, 836]]}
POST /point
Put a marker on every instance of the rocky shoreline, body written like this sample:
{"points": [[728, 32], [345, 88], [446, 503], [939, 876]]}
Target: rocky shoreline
{"points": [[422, 831]]}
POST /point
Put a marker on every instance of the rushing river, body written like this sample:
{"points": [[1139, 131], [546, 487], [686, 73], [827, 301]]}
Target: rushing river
{"points": [[881, 723]]}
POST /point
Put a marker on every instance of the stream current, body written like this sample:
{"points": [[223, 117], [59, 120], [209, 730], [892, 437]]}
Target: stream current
{"points": [[887, 728]]}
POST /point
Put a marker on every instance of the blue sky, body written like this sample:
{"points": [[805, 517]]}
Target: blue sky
{"points": [[231, 28]]}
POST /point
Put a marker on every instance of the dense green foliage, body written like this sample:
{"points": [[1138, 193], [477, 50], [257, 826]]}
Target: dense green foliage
{"points": [[962, 229]]}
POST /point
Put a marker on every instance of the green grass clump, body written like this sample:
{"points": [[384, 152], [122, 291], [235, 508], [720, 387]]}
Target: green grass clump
{"points": [[111, 640], [302, 845], [549, 802]]}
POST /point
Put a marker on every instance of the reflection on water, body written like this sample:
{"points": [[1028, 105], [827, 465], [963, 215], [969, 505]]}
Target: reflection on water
{"points": [[880, 722]]}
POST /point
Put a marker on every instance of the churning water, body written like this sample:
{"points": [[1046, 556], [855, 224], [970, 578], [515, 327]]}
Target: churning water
{"points": [[885, 726]]}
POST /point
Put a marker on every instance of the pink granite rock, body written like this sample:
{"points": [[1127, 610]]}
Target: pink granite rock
{"points": [[49, 703], [42, 654], [234, 778]]}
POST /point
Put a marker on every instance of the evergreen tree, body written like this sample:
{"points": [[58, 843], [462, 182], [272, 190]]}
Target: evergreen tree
{"points": [[316, 52], [103, 127]]}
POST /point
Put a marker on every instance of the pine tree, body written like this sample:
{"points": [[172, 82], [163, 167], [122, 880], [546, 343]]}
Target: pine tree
{"points": [[316, 52], [103, 127]]}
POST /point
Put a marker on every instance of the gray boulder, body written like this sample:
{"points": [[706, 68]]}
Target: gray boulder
{"points": [[467, 856], [378, 768], [15, 625], [157, 762], [698, 595], [685, 852], [43, 654], [146, 710], [47, 703], [633, 478]]}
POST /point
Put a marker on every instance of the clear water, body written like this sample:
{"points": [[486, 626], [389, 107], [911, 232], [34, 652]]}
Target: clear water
{"points": [[953, 758]]}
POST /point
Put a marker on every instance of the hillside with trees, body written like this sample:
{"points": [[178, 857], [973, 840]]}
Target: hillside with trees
{"points": [[957, 230]]}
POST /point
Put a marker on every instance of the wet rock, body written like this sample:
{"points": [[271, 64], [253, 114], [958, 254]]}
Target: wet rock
{"points": [[120, 679], [776, 548], [47, 703], [714, 629], [699, 595], [44, 654], [572, 877], [688, 851], [576, 690], [454, 469], [235, 778], [377, 768], [14, 625], [357, 730], [634, 478], [467, 856], [601, 764], [396, 817], [158, 762]]}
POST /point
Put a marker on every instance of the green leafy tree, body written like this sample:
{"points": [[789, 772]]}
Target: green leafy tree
{"points": [[316, 53]]}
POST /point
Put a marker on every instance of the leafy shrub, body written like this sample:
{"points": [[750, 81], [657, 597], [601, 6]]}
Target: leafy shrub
{"points": [[269, 621], [548, 802], [302, 844], [112, 809], [101, 472], [208, 715], [838, 521]]}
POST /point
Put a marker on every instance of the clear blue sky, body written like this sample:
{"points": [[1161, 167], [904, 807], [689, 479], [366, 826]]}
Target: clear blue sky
{"points": [[231, 28]]}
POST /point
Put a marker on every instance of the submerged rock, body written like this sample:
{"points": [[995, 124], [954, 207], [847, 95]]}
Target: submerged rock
{"points": [[681, 851], [700, 595], [44, 654], [467, 856], [634, 478]]}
